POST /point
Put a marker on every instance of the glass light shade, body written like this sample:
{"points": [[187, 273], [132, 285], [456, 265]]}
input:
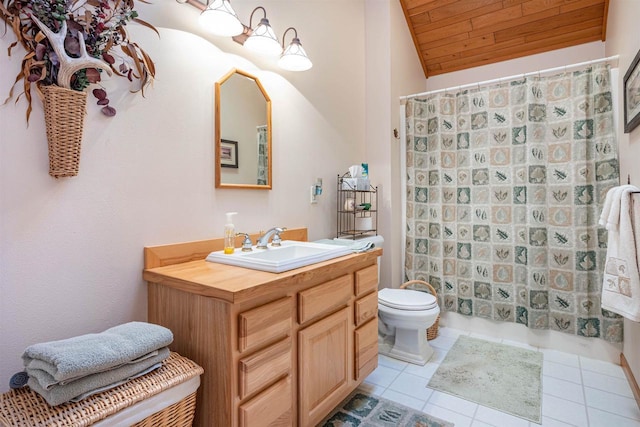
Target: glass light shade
{"points": [[295, 58], [220, 19], [263, 40]]}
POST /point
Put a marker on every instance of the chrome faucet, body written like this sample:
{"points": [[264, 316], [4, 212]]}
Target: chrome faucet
{"points": [[264, 239], [246, 242]]}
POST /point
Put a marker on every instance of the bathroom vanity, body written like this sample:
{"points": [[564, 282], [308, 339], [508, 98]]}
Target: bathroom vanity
{"points": [[278, 349]]}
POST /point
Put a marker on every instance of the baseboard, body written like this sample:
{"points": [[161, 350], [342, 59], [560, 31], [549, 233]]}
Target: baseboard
{"points": [[630, 378]]}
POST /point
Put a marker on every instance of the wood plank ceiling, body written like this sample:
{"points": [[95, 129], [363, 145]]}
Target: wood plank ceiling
{"points": [[452, 35]]}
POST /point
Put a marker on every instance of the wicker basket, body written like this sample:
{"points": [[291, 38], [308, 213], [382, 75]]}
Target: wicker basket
{"points": [[24, 407], [421, 285], [64, 111]]}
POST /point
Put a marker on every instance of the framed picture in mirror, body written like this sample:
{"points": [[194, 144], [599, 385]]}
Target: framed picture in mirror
{"points": [[228, 153], [632, 95]]}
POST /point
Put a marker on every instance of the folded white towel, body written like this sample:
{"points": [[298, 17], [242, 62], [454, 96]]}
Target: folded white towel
{"points": [[621, 282]]}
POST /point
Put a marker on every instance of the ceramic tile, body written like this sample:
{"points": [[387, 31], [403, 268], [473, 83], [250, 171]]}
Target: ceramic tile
{"points": [[438, 355], [450, 332], [453, 403], [499, 419], [390, 362], [561, 357], [425, 371], [550, 422], [477, 423], [601, 367], [564, 410], [443, 342], [567, 380], [412, 385], [607, 383], [610, 402], [382, 376], [598, 418], [403, 399], [370, 388], [560, 371], [564, 389], [457, 419]]}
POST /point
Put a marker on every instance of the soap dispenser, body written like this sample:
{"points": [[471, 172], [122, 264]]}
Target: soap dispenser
{"points": [[229, 234]]}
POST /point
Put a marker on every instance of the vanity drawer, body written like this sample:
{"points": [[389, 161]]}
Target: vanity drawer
{"points": [[272, 407], [366, 280], [365, 308], [264, 367], [366, 349], [264, 324], [324, 298]]}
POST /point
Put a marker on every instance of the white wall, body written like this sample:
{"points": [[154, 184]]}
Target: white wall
{"points": [[392, 69], [71, 249], [623, 40]]}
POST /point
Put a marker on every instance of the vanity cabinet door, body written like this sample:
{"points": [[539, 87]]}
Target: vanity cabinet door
{"points": [[325, 368]]}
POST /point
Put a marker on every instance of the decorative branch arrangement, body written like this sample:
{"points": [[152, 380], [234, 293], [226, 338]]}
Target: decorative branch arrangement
{"points": [[67, 42]]}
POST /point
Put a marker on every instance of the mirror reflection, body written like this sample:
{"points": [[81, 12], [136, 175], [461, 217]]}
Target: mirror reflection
{"points": [[243, 132]]}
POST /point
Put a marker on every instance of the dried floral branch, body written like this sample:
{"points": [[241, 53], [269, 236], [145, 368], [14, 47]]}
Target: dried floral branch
{"points": [[68, 42]]}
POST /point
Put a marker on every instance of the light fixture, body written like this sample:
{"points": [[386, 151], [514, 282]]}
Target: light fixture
{"points": [[294, 58], [263, 40], [220, 19]]}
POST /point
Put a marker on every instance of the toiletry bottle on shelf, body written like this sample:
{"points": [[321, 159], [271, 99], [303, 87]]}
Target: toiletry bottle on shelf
{"points": [[229, 234]]}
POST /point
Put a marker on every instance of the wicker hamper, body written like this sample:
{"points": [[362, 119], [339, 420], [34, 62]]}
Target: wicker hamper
{"points": [[24, 407], [421, 285]]}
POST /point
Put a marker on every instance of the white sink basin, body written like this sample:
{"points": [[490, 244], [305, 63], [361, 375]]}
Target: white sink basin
{"points": [[276, 259]]}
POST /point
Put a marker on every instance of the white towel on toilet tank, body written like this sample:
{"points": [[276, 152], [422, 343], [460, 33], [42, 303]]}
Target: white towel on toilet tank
{"points": [[621, 282]]}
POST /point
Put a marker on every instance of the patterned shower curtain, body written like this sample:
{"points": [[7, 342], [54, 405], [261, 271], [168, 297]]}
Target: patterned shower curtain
{"points": [[505, 185], [262, 154]]}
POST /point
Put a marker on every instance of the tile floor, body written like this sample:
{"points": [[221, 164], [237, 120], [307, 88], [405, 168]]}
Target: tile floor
{"points": [[577, 391]]}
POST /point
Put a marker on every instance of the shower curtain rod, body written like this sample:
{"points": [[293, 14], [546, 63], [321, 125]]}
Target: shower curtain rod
{"points": [[613, 59]]}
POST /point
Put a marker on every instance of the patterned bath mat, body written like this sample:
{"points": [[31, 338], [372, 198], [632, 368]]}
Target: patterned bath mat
{"points": [[361, 409], [495, 375]]}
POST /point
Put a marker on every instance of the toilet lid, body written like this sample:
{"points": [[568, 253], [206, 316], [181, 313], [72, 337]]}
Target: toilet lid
{"points": [[406, 299]]}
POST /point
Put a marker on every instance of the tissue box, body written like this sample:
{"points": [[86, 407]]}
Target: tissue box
{"points": [[360, 184]]}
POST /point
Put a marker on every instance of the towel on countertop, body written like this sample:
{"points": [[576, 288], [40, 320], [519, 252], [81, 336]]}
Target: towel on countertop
{"points": [[621, 282], [96, 383], [88, 354], [355, 245]]}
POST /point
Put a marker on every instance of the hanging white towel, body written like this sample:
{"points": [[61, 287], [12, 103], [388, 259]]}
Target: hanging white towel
{"points": [[621, 283]]}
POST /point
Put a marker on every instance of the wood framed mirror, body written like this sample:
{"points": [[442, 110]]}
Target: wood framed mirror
{"points": [[243, 132]]}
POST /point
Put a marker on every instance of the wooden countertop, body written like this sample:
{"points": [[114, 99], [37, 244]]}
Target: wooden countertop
{"points": [[237, 284]]}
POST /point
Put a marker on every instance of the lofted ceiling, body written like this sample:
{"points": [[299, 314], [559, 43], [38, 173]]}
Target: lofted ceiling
{"points": [[452, 35]]}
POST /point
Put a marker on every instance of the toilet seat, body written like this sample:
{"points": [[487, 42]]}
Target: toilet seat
{"points": [[407, 299]]}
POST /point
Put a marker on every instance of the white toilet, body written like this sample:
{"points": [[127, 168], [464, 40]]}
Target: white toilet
{"points": [[403, 319]]}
